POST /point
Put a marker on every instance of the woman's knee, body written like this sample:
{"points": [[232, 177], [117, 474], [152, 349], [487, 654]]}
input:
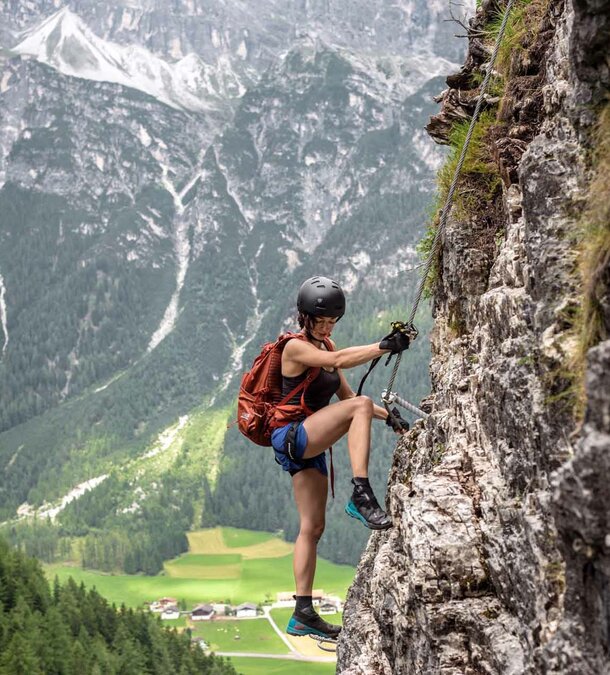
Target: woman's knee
{"points": [[312, 529], [363, 405]]}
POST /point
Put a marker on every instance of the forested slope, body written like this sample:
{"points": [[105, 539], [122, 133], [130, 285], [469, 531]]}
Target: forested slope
{"points": [[70, 629]]}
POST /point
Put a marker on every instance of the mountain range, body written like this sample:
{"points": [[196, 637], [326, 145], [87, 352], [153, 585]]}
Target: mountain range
{"points": [[168, 178]]}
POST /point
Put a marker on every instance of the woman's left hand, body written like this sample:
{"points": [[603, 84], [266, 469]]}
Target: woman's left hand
{"points": [[397, 422]]}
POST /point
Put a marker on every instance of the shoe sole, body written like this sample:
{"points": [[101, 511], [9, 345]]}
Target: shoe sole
{"points": [[352, 511], [306, 630]]}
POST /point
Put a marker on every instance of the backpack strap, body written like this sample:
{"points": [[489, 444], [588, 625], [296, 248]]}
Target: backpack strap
{"points": [[311, 375]]}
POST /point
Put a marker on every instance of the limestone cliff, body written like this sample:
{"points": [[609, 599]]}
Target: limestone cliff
{"points": [[499, 559]]}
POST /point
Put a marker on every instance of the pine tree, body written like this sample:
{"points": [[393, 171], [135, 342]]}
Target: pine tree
{"points": [[19, 658], [56, 643]]}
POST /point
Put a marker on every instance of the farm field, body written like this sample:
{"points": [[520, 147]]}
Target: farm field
{"points": [[249, 544], [254, 567], [239, 635], [233, 537], [254, 666]]}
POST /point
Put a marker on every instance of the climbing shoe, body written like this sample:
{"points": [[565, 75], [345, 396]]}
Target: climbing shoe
{"points": [[365, 507], [308, 622]]}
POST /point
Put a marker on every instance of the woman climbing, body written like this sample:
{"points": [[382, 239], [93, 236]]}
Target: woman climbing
{"points": [[300, 446]]}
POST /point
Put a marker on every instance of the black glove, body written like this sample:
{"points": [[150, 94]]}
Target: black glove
{"points": [[397, 422], [396, 342]]}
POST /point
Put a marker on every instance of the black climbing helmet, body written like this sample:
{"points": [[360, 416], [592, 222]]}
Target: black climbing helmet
{"points": [[321, 296]]}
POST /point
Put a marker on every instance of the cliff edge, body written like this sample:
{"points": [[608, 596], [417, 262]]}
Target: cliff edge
{"points": [[499, 559]]}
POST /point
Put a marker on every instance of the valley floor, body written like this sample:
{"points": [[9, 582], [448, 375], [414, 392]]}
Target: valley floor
{"points": [[231, 566]]}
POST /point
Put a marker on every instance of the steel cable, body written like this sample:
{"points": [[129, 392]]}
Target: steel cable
{"points": [[448, 201]]}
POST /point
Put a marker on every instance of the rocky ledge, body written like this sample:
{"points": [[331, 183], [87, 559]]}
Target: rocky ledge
{"points": [[499, 559]]}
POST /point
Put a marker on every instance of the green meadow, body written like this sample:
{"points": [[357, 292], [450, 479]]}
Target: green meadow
{"points": [[280, 667], [225, 575], [240, 635]]}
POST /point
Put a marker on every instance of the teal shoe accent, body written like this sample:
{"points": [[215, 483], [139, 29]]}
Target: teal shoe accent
{"points": [[351, 510], [296, 627]]}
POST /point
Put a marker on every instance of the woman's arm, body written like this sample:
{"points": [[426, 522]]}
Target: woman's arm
{"points": [[345, 391], [304, 353]]}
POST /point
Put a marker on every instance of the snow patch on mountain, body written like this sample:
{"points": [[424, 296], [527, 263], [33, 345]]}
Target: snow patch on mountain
{"points": [[357, 265], [394, 77], [144, 136], [427, 151], [64, 42], [253, 323], [404, 261], [157, 230], [6, 78]]}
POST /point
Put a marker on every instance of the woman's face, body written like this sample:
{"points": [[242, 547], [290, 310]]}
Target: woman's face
{"points": [[322, 326]]}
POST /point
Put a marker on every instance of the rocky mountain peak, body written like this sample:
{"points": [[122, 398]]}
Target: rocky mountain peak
{"points": [[64, 42]]}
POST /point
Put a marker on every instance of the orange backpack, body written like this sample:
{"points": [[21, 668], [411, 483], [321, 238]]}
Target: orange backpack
{"points": [[260, 405]]}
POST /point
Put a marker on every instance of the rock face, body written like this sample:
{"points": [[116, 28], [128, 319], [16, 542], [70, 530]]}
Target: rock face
{"points": [[499, 558]]}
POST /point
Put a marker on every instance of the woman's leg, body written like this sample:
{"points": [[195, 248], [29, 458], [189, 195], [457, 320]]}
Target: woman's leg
{"points": [[310, 490], [352, 417]]}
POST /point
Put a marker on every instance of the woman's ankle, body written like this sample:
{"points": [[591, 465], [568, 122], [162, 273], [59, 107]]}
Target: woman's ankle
{"points": [[303, 602]]}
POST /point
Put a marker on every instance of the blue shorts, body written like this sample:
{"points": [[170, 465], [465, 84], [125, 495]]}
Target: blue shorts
{"points": [[295, 463]]}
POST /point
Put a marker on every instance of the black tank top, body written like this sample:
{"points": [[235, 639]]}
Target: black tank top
{"points": [[319, 392]]}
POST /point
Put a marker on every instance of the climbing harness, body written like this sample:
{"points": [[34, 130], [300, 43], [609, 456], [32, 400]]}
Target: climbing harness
{"points": [[388, 396]]}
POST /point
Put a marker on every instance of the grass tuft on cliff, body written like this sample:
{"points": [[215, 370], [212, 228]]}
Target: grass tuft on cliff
{"points": [[522, 27], [479, 181], [594, 255]]}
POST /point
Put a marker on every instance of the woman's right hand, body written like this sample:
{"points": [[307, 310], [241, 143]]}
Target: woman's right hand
{"points": [[395, 342]]}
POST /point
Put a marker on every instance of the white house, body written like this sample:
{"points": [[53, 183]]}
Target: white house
{"points": [[170, 612], [245, 609], [316, 597], [327, 608], [202, 613], [285, 599], [330, 602], [162, 604]]}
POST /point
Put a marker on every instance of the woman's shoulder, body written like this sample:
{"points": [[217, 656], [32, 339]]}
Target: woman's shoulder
{"points": [[295, 343]]}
